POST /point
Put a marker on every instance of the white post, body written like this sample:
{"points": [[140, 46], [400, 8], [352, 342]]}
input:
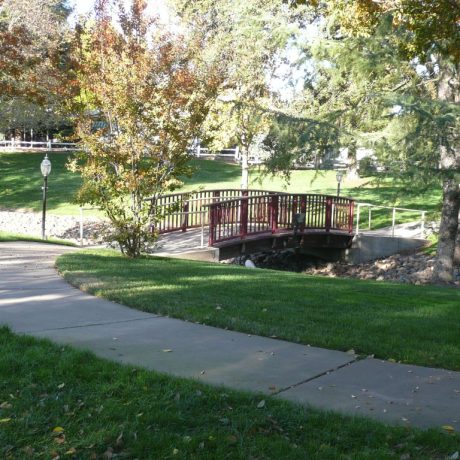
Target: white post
{"points": [[370, 217], [198, 150], [81, 226], [422, 225], [357, 218], [393, 221], [237, 154]]}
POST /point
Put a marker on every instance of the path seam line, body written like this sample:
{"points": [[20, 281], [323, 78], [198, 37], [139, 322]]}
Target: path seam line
{"points": [[282, 390], [93, 324]]}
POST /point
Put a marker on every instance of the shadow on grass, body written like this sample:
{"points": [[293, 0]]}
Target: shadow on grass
{"points": [[417, 324], [21, 182]]}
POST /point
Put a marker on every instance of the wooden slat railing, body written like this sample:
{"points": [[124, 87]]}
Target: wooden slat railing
{"points": [[273, 213], [235, 213], [180, 211]]}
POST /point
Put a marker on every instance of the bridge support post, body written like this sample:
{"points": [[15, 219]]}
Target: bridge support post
{"points": [[244, 215], [328, 213], [185, 219], [274, 206]]}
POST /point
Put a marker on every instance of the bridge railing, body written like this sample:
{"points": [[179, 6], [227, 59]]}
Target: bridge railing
{"points": [[275, 213], [180, 211]]}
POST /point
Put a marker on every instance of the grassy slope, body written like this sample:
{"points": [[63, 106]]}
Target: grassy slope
{"points": [[413, 324], [98, 408], [21, 181]]}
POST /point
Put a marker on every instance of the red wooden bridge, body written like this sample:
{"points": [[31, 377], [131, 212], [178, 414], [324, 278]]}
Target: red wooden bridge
{"points": [[249, 220]]}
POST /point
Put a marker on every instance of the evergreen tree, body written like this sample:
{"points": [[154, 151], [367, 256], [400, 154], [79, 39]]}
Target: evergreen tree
{"points": [[247, 39], [385, 81]]}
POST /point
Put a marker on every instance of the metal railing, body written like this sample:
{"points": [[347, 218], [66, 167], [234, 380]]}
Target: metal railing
{"points": [[371, 206]]}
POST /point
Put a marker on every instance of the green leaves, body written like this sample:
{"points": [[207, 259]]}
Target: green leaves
{"points": [[149, 95]]}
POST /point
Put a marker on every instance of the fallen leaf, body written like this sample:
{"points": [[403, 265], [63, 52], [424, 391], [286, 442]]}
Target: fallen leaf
{"points": [[71, 451], [175, 451], [351, 351], [5, 405], [448, 428], [261, 404], [4, 420], [62, 385], [58, 430], [167, 350], [60, 439], [29, 451]]}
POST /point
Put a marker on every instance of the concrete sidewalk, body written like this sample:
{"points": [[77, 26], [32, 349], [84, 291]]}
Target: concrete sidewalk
{"points": [[35, 300]]}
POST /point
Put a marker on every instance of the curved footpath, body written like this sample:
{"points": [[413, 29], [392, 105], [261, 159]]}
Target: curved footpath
{"points": [[35, 300]]}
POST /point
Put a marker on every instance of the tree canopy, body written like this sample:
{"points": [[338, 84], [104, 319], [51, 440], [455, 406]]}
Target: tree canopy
{"points": [[145, 93]]}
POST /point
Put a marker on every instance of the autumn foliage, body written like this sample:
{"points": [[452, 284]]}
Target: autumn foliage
{"points": [[144, 95]]}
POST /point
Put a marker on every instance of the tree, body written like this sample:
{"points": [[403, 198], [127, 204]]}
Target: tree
{"points": [[248, 39], [35, 66], [389, 80], [148, 91], [430, 39]]}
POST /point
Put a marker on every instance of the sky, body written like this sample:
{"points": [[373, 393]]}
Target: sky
{"points": [[82, 6], [85, 6]]}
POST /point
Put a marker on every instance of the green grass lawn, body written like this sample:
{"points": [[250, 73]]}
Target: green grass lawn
{"points": [[56, 402], [411, 324], [21, 181]]}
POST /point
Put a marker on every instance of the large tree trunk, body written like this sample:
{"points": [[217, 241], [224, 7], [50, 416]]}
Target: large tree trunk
{"points": [[443, 268], [457, 247], [352, 172], [447, 90]]}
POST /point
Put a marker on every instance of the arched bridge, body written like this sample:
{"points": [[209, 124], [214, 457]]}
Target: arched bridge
{"points": [[243, 221]]}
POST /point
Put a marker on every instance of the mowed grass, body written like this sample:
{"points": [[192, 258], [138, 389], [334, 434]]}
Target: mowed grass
{"points": [[56, 402], [21, 182], [411, 324]]}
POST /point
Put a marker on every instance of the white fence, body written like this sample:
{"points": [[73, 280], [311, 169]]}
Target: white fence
{"points": [[225, 154], [47, 145]]}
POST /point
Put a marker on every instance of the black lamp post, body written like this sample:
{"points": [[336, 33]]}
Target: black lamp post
{"points": [[339, 177], [45, 168]]}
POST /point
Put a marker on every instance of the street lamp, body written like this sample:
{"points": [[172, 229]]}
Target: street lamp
{"points": [[45, 168], [339, 177]]}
